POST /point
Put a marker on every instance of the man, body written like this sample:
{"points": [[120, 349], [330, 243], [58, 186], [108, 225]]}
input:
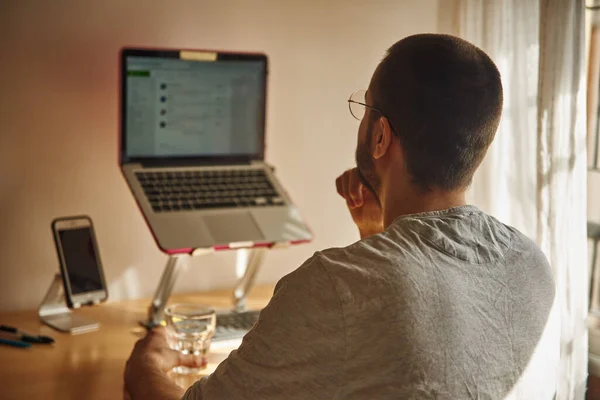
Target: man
{"points": [[437, 300]]}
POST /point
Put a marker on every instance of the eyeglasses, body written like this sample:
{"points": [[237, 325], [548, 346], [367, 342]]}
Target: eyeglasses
{"points": [[357, 104]]}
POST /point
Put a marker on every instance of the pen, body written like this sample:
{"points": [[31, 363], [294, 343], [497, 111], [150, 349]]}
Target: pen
{"points": [[15, 343], [26, 337]]}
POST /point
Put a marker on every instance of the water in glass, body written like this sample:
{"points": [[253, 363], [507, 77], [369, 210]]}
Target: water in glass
{"points": [[190, 329]]}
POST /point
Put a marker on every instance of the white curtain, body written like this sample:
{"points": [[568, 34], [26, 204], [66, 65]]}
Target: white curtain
{"points": [[534, 176]]}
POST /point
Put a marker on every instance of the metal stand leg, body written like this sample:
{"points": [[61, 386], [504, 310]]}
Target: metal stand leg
{"points": [[246, 282], [156, 311]]}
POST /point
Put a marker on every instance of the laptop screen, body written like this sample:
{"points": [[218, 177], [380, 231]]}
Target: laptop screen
{"points": [[209, 107]]}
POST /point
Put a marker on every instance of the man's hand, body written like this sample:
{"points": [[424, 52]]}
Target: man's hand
{"points": [[151, 359], [362, 203]]}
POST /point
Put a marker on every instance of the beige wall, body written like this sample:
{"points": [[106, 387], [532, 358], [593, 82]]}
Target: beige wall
{"points": [[58, 122]]}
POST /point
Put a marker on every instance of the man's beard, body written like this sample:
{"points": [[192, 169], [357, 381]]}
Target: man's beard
{"points": [[366, 166]]}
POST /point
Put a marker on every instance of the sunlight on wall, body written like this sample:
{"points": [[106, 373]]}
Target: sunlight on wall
{"points": [[126, 286]]}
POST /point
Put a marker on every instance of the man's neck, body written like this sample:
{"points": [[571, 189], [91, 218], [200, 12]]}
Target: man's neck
{"points": [[405, 199]]}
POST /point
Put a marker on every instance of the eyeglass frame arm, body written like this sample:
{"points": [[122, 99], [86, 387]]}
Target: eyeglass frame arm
{"points": [[350, 101]]}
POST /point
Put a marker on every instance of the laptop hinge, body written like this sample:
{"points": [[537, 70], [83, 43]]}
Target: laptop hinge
{"points": [[192, 163]]}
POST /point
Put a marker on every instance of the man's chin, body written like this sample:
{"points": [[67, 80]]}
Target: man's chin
{"points": [[363, 179]]}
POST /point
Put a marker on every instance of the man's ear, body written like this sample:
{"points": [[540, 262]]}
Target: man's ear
{"points": [[382, 138]]}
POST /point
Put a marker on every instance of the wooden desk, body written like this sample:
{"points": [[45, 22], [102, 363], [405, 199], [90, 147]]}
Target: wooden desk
{"points": [[90, 366]]}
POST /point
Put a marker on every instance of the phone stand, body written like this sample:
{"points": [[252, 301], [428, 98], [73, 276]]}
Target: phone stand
{"points": [[176, 263], [54, 311]]}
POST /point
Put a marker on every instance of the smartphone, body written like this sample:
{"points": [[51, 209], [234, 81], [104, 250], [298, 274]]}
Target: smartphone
{"points": [[82, 274]]}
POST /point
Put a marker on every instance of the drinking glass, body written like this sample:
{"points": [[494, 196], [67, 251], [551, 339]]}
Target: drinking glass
{"points": [[190, 328]]}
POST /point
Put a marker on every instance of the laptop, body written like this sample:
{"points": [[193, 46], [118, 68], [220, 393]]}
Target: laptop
{"points": [[192, 151]]}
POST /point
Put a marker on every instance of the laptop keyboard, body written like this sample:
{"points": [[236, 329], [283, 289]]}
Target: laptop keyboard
{"points": [[234, 325], [196, 190]]}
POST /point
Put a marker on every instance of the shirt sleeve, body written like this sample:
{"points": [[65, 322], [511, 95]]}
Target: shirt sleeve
{"points": [[296, 350]]}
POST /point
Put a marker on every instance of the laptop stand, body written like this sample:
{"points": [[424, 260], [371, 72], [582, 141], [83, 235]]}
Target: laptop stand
{"points": [[176, 263], [245, 283], [54, 311]]}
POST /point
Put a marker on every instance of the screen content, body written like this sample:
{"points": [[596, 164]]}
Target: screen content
{"points": [[193, 108], [80, 259]]}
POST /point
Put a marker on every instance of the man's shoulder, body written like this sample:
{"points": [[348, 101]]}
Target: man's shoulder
{"points": [[364, 259], [522, 242], [324, 267], [525, 249]]}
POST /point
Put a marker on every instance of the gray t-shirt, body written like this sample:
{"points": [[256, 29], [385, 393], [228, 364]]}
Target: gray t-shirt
{"points": [[448, 304]]}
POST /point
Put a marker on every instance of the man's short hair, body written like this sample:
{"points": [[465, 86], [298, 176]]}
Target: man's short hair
{"points": [[443, 97]]}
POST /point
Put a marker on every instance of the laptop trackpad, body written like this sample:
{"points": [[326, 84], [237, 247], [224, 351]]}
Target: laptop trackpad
{"points": [[234, 227]]}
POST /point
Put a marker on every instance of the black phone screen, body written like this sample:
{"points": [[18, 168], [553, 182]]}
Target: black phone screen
{"points": [[81, 261]]}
